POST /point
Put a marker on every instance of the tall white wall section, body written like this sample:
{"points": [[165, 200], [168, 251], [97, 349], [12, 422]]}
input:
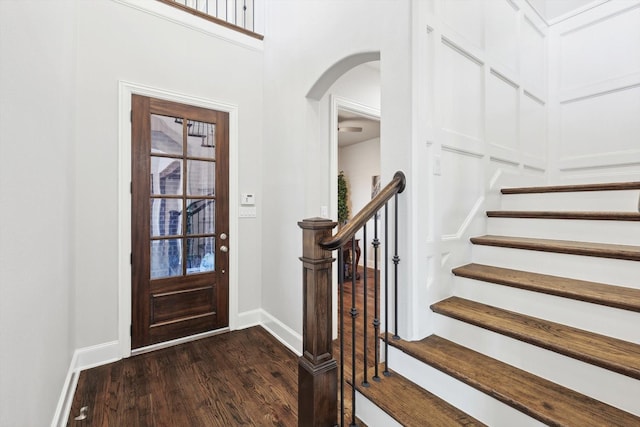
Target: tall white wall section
{"points": [[594, 78], [482, 70]]}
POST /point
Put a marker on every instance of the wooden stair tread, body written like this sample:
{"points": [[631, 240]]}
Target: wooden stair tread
{"points": [[609, 353], [411, 405], [612, 186], [603, 250], [593, 292], [586, 215], [541, 399]]}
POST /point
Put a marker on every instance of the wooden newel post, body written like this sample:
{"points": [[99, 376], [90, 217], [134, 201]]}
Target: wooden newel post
{"points": [[317, 369]]}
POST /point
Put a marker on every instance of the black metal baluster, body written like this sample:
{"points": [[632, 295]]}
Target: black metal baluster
{"points": [[354, 315], [341, 329], [376, 292], [396, 260], [365, 381], [244, 14], [386, 372]]}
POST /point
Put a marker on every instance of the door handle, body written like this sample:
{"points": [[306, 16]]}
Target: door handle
{"points": [[223, 248]]}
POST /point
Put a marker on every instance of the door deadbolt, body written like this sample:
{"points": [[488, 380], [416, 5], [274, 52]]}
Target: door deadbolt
{"points": [[223, 236]]}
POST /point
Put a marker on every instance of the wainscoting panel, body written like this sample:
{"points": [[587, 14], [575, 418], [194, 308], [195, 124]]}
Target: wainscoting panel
{"points": [[601, 125], [533, 131], [595, 85], [466, 19], [462, 177], [605, 49], [502, 113], [462, 94], [502, 33], [533, 58]]}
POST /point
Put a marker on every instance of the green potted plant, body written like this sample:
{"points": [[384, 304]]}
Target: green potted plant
{"points": [[343, 206]]}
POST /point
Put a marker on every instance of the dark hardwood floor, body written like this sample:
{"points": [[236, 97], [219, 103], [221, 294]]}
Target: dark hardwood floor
{"points": [[240, 378]]}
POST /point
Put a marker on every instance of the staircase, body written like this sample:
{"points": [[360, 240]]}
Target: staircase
{"points": [[543, 327]]}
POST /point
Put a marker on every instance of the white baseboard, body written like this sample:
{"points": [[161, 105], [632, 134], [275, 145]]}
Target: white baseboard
{"points": [[83, 358], [248, 319], [66, 396], [287, 336], [97, 355]]}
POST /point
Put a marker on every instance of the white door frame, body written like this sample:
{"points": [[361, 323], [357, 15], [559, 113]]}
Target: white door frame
{"points": [[340, 103], [126, 89]]}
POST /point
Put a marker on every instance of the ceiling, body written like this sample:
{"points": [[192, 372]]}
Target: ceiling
{"points": [[346, 119]]}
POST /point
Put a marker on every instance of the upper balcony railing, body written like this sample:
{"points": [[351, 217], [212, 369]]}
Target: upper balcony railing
{"points": [[238, 15]]}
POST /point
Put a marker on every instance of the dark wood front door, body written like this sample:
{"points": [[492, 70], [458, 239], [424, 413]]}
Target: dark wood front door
{"points": [[180, 220]]}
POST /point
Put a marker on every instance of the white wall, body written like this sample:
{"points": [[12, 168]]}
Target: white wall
{"points": [[594, 80], [360, 162], [37, 215], [164, 55], [303, 40], [481, 95]]}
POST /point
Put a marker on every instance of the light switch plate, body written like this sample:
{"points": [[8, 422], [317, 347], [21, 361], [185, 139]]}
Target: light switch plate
{"points": [[248, 212]]}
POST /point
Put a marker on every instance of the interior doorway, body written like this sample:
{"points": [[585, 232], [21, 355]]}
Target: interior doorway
{"points": [[359, 166]]}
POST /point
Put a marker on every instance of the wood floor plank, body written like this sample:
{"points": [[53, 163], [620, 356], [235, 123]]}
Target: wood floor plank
{"points": [[581, 290], [603, 250], [609, 353], [541, 399], [613, 186], [580, 215], [412, 406], [238, 378]]}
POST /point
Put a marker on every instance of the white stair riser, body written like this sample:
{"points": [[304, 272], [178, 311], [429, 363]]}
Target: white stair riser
{"points": [[594, 269], [615, 232], [615, 201], [469, 400], [371, 414], [593, 381], [613, 322]]}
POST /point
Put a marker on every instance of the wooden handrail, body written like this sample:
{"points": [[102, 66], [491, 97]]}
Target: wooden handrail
{"points": [[347, 232]]}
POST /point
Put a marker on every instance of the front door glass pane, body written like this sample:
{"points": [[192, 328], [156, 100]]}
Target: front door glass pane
{"points": [[166, 176], [201, 140], [166, 258], [200, 255], [166, 135], [200, 216], [166, 217], [201, 180]]}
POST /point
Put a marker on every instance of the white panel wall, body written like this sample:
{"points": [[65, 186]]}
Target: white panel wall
{"points": [[486, 122], [595, 94]]}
